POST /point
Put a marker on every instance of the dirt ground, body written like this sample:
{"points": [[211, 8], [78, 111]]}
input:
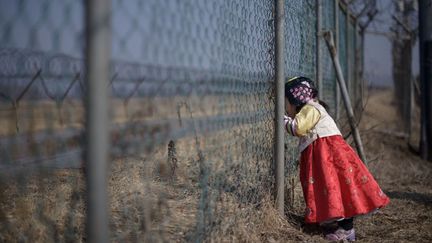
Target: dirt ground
{"points": [[401, 173], [403, 176]]}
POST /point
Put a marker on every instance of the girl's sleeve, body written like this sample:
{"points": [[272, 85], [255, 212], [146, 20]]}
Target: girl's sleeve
{"points": [[303, 122]]}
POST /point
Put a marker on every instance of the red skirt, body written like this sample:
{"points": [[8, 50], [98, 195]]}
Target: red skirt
{"points": [[336, 184]]}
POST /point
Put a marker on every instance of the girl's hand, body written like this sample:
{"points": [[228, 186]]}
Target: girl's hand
{"points": [[287, 120]]}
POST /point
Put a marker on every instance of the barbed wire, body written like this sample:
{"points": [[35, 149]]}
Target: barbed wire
{"points": [[192, 107]]}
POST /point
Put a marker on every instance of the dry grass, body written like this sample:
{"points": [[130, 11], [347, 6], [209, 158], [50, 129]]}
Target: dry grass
{"points": [[43, 115], [402, 175], [150, 203], [42, 207]]}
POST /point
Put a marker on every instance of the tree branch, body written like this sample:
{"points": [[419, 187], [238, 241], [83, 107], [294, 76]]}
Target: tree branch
{"points": [[404, 26]]}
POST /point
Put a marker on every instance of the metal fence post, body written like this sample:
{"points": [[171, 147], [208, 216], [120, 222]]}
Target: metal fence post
{"points": [[336, 16], [280, 101], [318, 48], [98, 54], [348, 54], [359, 84]]}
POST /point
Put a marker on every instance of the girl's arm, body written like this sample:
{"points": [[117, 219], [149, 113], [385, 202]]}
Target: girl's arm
{"points": [[303, 122]]}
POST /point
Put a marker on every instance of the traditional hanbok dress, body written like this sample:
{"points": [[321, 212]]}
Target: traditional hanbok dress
{"points": [[336, 183]]}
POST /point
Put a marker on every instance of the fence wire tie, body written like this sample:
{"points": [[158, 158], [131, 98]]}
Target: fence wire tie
{"points": [[77, 76], [28, 86], [137, 85]]}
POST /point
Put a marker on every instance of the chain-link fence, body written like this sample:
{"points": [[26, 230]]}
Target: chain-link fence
{"points": [[192, 114], [41, 79], [328, 82], [349, 51]]}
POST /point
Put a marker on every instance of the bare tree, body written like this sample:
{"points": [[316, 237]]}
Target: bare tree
{"points": [[365, 12], [404, 30]]}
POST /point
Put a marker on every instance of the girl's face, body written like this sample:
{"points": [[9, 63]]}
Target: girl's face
{"points": [[290, 109]]}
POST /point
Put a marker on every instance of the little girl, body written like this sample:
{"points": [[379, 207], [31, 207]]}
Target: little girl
{"points": [[336, 184]]}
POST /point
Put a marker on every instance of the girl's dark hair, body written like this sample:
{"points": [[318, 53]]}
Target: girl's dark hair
{"points": [[299, 107], [293, 82], [325, 105]]}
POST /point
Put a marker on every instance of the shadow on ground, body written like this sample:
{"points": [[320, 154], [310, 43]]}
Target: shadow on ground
{"points": [[425, 199]]}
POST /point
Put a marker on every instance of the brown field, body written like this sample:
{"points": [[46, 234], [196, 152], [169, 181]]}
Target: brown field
{"points": [[154, 200]]}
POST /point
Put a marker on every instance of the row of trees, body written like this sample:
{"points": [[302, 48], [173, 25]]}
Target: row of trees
{"points": [[410, 23]]}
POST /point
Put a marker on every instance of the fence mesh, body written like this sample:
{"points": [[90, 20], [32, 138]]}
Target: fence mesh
{"points": [[192, 115], [328, 74], [204, 71], [300, 38], [300, 60], [41, 48]]}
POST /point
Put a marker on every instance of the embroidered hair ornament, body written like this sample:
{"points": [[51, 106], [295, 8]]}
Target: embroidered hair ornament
{"points": [[299, 90]]}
